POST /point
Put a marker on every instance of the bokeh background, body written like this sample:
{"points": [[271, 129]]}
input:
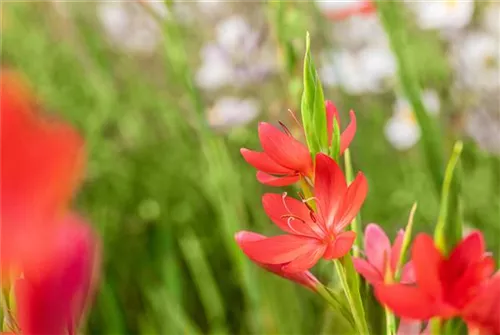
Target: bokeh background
{"points": [[166, 93]]}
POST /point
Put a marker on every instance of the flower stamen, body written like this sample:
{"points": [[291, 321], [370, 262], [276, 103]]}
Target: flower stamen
{"points": [[285, 129]]}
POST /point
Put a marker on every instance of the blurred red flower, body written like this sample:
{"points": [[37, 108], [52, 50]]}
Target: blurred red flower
{"points": [[362, 7], [446, 287], [311, 235], [53, 254], [286, 160], [41, 163]]}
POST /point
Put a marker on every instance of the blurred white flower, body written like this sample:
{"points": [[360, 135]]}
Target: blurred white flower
{"points": [[476, 61], [211, 7], [216, 69], [234, 34], [491, 19], [367, 70], [484, 127], [234, 58], [358, 31], [402, 129], [129, 26], [231, 112], [442, 14], [402, 132]]}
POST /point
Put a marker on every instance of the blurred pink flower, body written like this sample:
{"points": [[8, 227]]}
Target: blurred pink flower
{"points": [[381, 257], [52, 295]]}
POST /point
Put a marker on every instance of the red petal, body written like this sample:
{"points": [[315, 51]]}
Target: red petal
{"points": [[284, 149], [278, 249], [248, 236], [340, 246], [483, 311], [277, 181], [51, 297], [348, 133], [274, 206], [469, 251], [352, 202], [406, 301], [464, 287], [368, 271], [427, 262], [305, 261], [41, 162], [331, 112], [329, 187], [306, 278], [377, 246], [261, 161]]}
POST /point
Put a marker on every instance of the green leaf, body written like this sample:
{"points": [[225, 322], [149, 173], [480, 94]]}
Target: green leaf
{"points": [[448, 230], [349, 280], [406, 242], [337, 302], [313, 106]]}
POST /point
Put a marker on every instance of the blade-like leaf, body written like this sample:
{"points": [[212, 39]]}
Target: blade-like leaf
{"points": [[349, 279], [406, 242], [448, 230]]}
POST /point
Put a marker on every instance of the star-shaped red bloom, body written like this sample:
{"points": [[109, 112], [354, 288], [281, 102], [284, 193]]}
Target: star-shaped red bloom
{"points": [[311, 235]]}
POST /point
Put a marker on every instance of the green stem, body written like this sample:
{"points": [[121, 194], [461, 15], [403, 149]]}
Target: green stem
{"points": [[390, 322], [435, 326], [9, 322], [355, 303], [333, 301]]}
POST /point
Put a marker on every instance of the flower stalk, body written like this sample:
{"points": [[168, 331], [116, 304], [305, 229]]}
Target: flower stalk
{"points": [[350, 287]]}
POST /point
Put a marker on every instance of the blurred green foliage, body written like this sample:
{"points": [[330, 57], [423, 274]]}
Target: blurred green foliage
{"points": [[167, 193]]}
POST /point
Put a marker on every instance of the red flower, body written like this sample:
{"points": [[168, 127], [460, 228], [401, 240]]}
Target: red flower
{"points": [[51, 297], [482, 313], [311, 235], [447, 287], [381, 258], [305, 278], [41, 162], [285, 160]]}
